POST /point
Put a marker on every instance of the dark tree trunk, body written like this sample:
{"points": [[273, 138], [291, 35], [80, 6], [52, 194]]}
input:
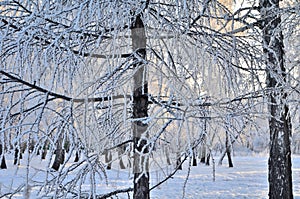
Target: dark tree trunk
{"points": [[168, 156], [202, 160], [3, 162], [203, 153], [16, 156], [228, 150], [140, 111], [203, 145], [207, 159], [280, 171], [76, 157], [106, 159], [194, 163], [59, 155], [44, 150], [129, 160], [109, 160], [67, 145], [44, 154], [59, 159], [230, 163], [38, 152], [23, 148]]}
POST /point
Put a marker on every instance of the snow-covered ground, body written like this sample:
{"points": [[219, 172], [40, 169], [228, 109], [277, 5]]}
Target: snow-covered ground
{"points": [[247, 179]]}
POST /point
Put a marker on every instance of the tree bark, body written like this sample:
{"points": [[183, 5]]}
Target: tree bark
{"points": [[3, 162], [44, 150], [207, 159], [140, 112], [203, 148], [280, 172], [16, 156], [76, 157], [59, 154], [194, 163], [203, 151], [228, 150]]}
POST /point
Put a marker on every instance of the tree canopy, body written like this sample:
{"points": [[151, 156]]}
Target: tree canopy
{"points": [[76, 77]]}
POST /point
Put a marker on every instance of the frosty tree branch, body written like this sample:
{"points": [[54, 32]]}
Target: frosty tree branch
{"points": [[60, 96]]}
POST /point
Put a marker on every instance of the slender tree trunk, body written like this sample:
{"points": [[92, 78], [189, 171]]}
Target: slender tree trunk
{"points": [[44, 150], [76, 156], [38, 151], [3, 162], [59, 154], [109, 160], [204, 145], [207, 159], [194, 159], [129, 160], [167, 155], [140, 111], [280, 172], [16, 156], [203, 151], [228, 150], [232, 141]]}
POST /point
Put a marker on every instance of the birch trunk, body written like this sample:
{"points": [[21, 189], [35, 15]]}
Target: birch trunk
{"points": [[280, 172], [140, 112]]}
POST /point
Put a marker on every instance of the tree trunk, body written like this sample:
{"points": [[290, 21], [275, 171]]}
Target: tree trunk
{"points": [[280, 172], [59, 155], [167, 155], [228, 150], [204, 145], [76, 157], [207, 159], [38, 151], [203, 152], [140, 111], [232, 141], [109, 162], [44, 150], [3, 162], [194, 163], [16, 156]]}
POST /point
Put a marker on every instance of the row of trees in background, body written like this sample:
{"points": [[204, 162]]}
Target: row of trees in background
{"points": [[146, 83]]}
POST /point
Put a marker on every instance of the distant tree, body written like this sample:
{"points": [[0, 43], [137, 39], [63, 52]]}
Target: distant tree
{"points": [[59, 152], [3, 162]]}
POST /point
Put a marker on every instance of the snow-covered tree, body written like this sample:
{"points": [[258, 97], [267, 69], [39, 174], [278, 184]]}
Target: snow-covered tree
{"points": [[140, 81], [279, 86]]}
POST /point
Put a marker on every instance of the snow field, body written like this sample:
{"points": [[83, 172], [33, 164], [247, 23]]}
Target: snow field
{"points": [[247, 179]]}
